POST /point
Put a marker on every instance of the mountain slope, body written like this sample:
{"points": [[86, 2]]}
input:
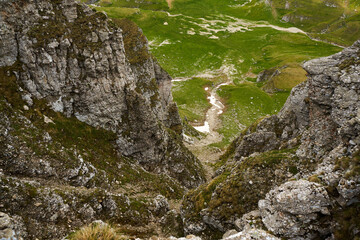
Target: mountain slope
{"points": [[298, 170], [334, 21], [88, 127], [75, 59]]}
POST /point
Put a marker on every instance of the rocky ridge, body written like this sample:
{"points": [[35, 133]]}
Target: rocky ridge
{"points": [[298, 170], [85, 66], [88, 127]]}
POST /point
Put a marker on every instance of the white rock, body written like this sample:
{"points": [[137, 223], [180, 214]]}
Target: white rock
{"points": [[48, 120]]}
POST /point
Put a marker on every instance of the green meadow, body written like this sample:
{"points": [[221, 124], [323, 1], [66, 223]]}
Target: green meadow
{"points": [[191, 98], [211, 41]]}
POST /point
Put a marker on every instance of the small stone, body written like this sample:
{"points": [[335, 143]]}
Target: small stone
{"points": [[229, 233], [48, 120], [253, 233]]}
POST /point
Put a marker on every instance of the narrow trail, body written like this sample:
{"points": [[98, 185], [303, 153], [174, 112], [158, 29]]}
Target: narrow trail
{"points": [[324, 41], [206, 154]]}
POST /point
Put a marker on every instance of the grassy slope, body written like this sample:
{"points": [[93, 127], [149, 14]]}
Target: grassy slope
{"points": [[335, 21], [245, 104], [183, 47], [192, 106]]}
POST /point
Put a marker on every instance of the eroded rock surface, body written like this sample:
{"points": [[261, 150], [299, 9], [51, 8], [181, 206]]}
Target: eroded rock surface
{"points": [[88, 127], [291, 209], [85, 66]]}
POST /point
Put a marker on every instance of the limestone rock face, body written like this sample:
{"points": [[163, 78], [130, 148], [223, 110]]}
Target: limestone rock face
{"points": [[290, 209], [86, 66], [254, 234], [11, 228], [87, 124], [313, 139]]}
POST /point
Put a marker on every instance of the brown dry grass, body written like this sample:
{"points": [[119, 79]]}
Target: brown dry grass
{"points": [[97, 231]]}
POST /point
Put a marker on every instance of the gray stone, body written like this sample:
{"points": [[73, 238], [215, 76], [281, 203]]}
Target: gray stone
{"points": [[161, 205], [10, 228], [8, 45], [249, 220], [229, 233], [253, 233], [292, 209]]}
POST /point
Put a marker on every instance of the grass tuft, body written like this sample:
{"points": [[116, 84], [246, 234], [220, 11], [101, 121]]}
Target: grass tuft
{"points": [[97, 231]]}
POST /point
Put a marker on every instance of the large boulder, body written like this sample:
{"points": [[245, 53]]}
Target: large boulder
{"points": [[295, 209]]}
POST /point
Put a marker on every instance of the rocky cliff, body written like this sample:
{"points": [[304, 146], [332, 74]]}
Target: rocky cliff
{"points": [[88, 127], [85, 66], [295, 174]]}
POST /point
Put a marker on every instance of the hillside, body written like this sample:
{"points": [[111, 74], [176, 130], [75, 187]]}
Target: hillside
{"points": [[214, 120], [334, 21], [88, 127], [206, 43], [294, 174]]}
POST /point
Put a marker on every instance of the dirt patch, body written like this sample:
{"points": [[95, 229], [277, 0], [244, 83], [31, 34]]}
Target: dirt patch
{"points": [[201, 148], [169, 2]]}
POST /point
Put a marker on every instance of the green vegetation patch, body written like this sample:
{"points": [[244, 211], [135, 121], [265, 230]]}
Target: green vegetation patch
{"points": [[351, 165], [287, 77], [191, 98], [155, 5], [244, 104], [135, 42]]}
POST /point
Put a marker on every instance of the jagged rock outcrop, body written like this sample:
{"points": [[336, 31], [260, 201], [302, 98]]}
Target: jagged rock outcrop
{"points": [[86, 66], [88, 127], [294, 209], [10, 228], [283, 158]]}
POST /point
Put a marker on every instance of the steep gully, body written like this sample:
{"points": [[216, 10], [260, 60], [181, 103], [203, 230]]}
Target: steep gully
{"points": [[208, 155], [201, 148]]}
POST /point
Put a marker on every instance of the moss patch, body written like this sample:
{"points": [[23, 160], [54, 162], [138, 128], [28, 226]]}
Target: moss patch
{"points": [[134, 41], [351, 165], [57, 27], [348, 222]]}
